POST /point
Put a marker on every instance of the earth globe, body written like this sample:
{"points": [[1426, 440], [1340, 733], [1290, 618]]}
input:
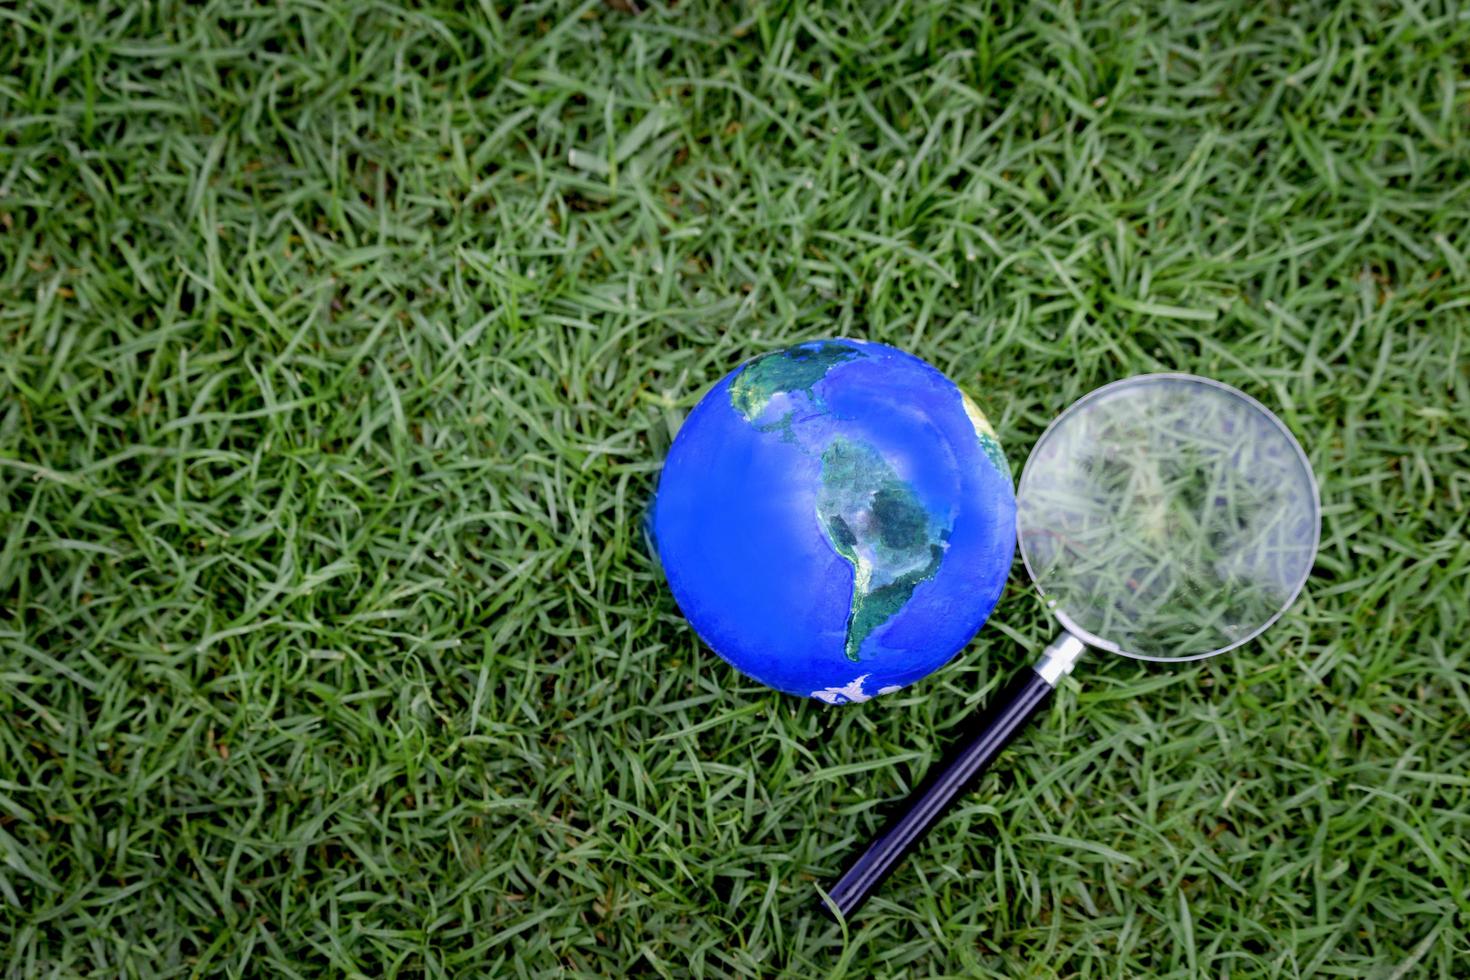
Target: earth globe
{"points": [[835, 519]]}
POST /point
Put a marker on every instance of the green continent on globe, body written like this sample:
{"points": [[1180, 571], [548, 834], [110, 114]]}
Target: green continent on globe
{"points": [[785, 371], [875, 521]]}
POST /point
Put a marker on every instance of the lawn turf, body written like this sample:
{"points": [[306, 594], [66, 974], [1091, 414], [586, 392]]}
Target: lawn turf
{"points": [[339, 347]]}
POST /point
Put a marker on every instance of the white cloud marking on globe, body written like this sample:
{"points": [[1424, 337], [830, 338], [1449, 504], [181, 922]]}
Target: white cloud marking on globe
{"points": [[852, 693]]}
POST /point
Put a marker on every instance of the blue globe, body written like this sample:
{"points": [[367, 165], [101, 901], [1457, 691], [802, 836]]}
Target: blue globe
{"points": [[835, 519]]}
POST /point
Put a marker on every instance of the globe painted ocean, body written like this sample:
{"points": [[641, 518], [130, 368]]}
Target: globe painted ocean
{"points": [[835, 519]]}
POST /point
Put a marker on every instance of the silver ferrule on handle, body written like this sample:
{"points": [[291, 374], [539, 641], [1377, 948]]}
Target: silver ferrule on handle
{"points": [[1059, 657]]}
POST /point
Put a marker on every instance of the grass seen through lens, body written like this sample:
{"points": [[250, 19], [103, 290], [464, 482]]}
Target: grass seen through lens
{"points": [[1167, 517]]}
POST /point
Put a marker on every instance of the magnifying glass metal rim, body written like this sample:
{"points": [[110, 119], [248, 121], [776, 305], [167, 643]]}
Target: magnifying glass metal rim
{"points": [[1139, 380]]}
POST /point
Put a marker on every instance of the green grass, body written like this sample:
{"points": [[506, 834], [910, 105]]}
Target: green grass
{"points": [[339, 348]]}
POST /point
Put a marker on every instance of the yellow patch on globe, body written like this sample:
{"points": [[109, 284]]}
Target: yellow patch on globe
{"points": [[985, 432], [977, 418]]}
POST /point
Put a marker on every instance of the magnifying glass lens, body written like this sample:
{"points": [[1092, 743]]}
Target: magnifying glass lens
{"points": [[1168, 517]]}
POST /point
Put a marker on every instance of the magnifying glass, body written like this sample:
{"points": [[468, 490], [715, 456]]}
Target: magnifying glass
{"points": [[1164, 517]]}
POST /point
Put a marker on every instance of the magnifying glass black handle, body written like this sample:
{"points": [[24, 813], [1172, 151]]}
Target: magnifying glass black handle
{"points": [[986, 733]]}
